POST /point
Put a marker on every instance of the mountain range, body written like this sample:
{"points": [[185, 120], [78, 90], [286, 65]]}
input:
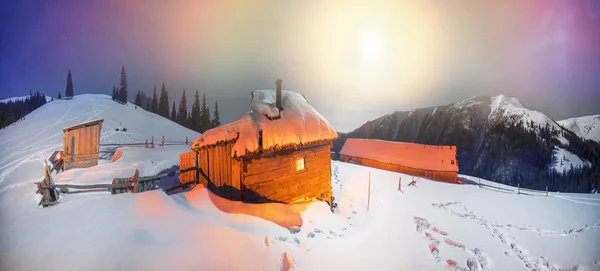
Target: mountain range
{"points": [[500, 139]]}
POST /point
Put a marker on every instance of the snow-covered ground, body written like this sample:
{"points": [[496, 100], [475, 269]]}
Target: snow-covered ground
{"points": [[20, 98], [428, 227]]}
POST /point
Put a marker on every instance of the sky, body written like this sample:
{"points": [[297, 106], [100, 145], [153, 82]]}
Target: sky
{"points": [[353, 60]]}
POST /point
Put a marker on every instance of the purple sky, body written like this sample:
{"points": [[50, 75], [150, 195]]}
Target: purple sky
{"points": [[354, 61]]}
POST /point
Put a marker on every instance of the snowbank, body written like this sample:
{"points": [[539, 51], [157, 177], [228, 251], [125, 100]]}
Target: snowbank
{"points": [[297, 124]]}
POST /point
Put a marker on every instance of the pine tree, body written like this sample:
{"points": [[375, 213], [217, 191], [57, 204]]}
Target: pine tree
{"points": [[154, 105], [114, 93], [196, 117], [69, 92], [188, 124], [59, 96], [182, 114], [206, 122], [173, 113], [138, 99], [123, 88], [163, 102], [216, 121]]}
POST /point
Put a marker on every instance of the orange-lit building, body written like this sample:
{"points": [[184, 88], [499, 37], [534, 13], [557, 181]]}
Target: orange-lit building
{"points": [[277, 152], [429, 161]]}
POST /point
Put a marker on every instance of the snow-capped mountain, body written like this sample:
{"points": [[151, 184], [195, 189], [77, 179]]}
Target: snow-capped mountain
{"points": [[21, 98], [587, 127], [497, 138]]}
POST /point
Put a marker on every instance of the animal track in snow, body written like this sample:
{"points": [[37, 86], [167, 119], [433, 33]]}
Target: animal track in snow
{"points": [[429, 230], [539, 231], [514, 249]]}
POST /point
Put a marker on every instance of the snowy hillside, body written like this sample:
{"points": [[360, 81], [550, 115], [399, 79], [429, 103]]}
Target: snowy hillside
{"points": [[505, 108], [587, 127], [21, 98]]}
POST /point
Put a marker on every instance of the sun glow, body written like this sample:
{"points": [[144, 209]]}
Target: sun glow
{"points": [[360, 48], [371, 44]]}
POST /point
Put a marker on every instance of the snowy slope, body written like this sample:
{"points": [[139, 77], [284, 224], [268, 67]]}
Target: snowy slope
{"points": [[491, 227], [587, 127], [21, 98], [36, 137], [505, 108]]}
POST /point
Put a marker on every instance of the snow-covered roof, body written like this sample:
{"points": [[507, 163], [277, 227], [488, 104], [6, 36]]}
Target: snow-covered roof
{"points": [[402, 153], [296, 125]]}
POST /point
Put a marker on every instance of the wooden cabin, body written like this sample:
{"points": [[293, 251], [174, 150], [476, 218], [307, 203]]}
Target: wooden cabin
{"points": [[277, 152], [429, 161], [81, 144]]}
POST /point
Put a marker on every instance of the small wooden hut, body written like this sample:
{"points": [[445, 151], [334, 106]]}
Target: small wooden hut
{"points": [[277, 152], [429, 161], [81, 144]]}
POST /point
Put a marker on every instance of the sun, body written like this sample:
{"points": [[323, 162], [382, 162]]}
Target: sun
{"points": [[371, 44]]}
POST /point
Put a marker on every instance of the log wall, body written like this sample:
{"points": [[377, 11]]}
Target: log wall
{"points": [[444, 176], [276, 178]]}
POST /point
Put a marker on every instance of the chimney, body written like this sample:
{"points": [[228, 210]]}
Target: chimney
{"points": [[278, 94]]}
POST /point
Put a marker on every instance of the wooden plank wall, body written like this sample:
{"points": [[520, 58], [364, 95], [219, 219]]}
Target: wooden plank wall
{"points": [[87, 140], [275, 178], [222, 170], [187, 160], [444, 176], [87, 145]]}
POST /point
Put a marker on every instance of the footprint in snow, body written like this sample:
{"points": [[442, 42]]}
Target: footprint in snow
{"points": [[317, 230], [333, 233], [311, 235]]}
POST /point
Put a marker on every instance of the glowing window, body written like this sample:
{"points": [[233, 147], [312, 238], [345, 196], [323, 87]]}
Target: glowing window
{"points": [[300, 164]]}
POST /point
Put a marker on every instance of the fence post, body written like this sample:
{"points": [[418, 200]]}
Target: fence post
{"points": [[369, 195], [399, 183], [479, 182], [546, 190], [518, 189]]}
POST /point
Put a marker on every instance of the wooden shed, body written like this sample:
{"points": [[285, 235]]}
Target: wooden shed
{"points": [[277, 152], [81, 144], [429, 161]]}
